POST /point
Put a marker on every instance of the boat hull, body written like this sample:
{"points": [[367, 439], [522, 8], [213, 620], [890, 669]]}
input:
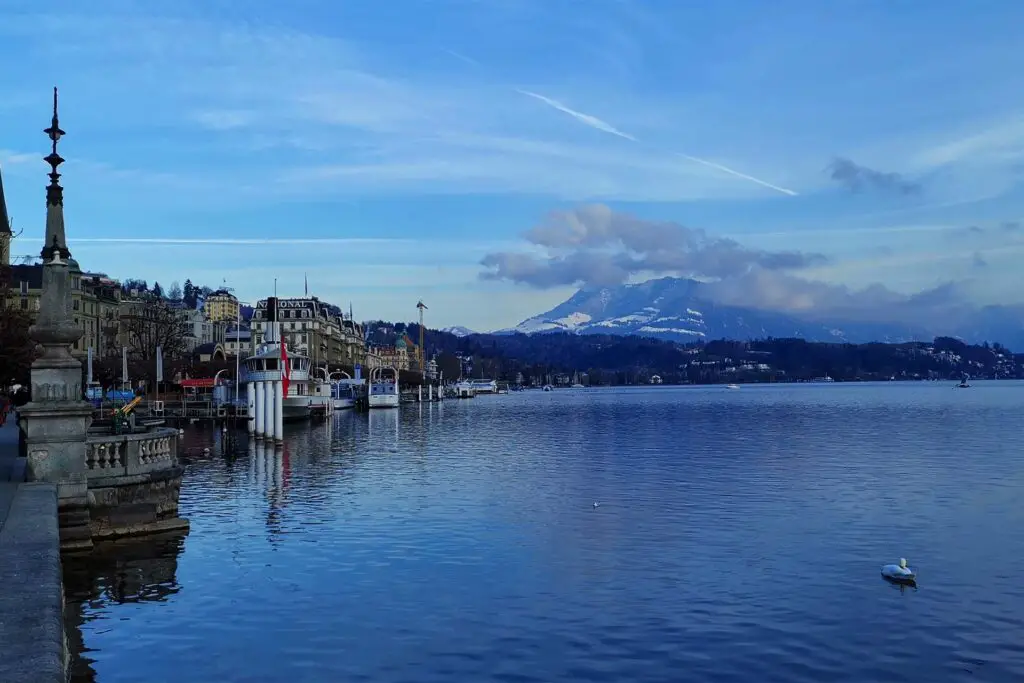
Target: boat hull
{"points": [[344, 403], [383, 401], [295, 409]]}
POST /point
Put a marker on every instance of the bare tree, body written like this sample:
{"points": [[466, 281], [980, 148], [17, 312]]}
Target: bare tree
{"points": [[153, 323], [17, 350]]}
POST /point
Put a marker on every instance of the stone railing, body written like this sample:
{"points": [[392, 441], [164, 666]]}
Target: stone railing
{"points": [[131, 454]]}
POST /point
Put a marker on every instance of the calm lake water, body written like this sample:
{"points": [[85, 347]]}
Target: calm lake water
{"points": [[739, 537]]}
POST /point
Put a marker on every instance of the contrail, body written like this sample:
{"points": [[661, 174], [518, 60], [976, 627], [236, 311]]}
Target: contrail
{"points": [[606, 127], [587, 119], [751, 178], [598, 124], [239, 241], [461, 57]]}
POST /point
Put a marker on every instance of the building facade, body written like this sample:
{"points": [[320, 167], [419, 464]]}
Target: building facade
{"points": [[396, 356], [238, 341], [95, 303], [221, 306], [314, 328]]}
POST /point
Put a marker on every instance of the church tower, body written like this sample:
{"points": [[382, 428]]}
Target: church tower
{"points": [[5, 228]]}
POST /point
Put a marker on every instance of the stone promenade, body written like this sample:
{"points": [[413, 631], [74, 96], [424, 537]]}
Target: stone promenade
{"points": [[32, 642]]}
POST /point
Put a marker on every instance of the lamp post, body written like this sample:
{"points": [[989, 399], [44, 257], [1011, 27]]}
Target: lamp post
{"points": [[238, 346]]}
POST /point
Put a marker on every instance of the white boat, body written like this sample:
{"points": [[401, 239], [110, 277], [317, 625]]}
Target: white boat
{"points": [[732, 386], [576, 381], [320, 402], [343, 390], [383, 388], [266, 365], [484, 386], [465, 389], [548, 387]]}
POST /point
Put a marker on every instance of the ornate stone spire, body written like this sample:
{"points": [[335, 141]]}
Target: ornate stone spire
{"points": [[55, 247], [54, 328]]}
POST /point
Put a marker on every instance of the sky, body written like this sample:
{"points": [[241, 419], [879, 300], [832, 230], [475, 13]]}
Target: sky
{"points": [[491, 156]]}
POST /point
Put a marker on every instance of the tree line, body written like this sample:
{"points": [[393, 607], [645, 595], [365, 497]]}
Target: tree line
{"points": [[612, 359]]}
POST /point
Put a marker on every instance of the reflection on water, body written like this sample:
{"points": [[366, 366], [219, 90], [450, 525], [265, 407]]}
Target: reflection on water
{"points": [[739, 538], [115, 574]]}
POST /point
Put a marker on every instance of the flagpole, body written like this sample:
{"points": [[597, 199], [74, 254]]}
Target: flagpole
{"points": [[238, 348]]}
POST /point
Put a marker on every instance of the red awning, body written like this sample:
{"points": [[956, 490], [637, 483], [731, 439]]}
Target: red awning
{"points": [[199, 382]]}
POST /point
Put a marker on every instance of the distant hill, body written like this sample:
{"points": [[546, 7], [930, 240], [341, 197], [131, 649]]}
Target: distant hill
{"points": [[678, 309], [458, 331], [629, 359]]}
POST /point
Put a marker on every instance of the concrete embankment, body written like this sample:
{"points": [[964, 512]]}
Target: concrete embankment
{"points": [[32, 641]]}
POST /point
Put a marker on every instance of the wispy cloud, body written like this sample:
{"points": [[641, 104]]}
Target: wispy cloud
{"points": [[857, 178], [9, 158]]}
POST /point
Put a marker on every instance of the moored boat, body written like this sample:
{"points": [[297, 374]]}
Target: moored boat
{"points": [[383, 388]]}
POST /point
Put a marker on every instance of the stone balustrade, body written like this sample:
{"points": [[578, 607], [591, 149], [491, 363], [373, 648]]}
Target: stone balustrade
{"points": [[131, 454], [133, 483]]}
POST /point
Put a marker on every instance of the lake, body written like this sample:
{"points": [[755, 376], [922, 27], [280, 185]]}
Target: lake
{"points": [[739, 537]]}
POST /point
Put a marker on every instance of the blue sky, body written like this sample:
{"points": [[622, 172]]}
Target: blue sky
{"points": [[388, 147]]}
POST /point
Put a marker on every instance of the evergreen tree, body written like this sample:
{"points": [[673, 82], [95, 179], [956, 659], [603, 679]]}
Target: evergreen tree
{"points": [[189, 294]]}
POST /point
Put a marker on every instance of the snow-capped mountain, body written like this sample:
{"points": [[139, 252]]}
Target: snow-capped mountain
{"points": [[458, 331], [674, 309]]}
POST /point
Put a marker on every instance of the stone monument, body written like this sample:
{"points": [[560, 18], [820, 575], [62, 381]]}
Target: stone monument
{"points": [[57, 419]]}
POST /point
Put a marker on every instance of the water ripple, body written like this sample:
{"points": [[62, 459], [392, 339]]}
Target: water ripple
{"points": [[738, 538]]}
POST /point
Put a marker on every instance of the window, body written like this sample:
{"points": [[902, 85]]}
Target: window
{"points": [[74, 304], [24, 304], [24, 287]]}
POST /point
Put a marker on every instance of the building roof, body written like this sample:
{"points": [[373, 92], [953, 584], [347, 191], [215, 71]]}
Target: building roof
{"points": [[32, 274], [5, 220]]}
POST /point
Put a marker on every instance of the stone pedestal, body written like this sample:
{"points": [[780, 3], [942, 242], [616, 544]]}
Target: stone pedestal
{"points": [[55, 424]]}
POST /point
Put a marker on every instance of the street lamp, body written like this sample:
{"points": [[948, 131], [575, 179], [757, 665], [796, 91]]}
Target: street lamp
{"points": [[238, 346]]}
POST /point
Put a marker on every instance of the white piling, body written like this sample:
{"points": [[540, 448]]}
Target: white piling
{"points": [[430, 393], [250, 399], [278, 412], [259, 407], [419, 393], [268, 409]]}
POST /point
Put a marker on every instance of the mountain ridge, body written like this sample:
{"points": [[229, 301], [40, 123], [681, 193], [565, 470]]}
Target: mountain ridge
{"points": [[676, 309]]}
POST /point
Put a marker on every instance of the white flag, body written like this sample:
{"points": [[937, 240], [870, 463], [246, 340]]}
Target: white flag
{"points": [[124, 364], [88, 376], [159, 363]]}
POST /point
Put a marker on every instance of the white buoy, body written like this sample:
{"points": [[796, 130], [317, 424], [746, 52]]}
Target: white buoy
{"points": [[899, 572], [596, 504]]}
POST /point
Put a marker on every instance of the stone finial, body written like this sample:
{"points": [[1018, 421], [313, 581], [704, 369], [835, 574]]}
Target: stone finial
{"points": [[54, 328], [55, 247]]}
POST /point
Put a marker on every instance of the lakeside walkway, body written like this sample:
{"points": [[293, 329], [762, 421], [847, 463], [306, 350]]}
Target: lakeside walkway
{"points": [[32, 594]]}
